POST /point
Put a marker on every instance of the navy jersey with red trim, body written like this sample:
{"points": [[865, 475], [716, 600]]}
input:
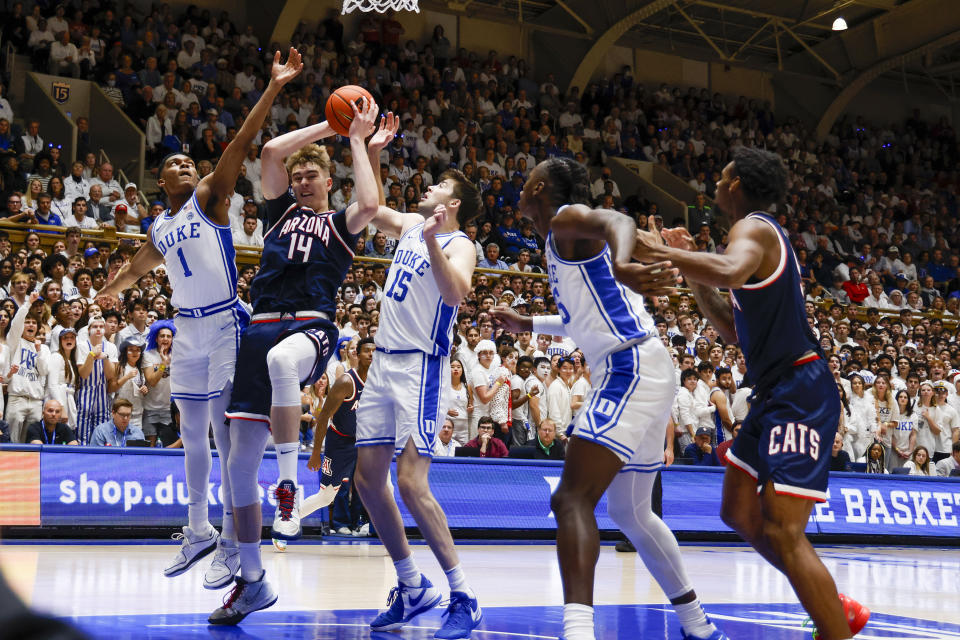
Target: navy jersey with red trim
{"points": [[305, 257], [344, 419], [770, 315]]}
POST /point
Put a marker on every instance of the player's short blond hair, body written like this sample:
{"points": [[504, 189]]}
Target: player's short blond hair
{"points": [[310, 154]]}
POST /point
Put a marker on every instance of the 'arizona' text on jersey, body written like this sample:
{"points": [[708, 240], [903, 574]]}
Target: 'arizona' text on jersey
{"points": [[306, 255]]}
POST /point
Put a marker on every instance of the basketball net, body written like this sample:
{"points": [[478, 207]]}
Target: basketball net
{"points": [[380, 6]]}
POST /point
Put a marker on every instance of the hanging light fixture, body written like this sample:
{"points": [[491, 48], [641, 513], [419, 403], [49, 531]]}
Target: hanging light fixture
{"points": [[840, 24]]}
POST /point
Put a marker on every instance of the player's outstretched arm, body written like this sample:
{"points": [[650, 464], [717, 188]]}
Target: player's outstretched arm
{"points": [[514, 322], [384, 135], [273, 174], [341, 389], [222, 181], [579, 222], [729, 270], [368, 201], [144, 260], [452, 266]]}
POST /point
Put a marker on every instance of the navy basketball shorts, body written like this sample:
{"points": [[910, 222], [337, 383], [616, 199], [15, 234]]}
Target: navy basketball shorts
{"points": [[787, 438], [252, 391], [339, 458]]}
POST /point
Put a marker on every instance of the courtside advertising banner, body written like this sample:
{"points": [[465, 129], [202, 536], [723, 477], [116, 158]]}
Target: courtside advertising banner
{"points": [[96, 487]]}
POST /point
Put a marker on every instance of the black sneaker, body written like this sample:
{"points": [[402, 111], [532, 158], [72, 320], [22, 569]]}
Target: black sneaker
{"points": [[625, 546]]}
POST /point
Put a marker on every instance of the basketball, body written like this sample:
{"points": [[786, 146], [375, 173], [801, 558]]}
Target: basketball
{"points": [[338, 110]]}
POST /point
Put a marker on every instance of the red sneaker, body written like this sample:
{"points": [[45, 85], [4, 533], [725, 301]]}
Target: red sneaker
{"points": [[857, 614]]}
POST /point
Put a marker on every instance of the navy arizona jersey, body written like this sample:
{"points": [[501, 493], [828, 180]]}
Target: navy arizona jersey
{"points": [[770, 315], [305, 257], [344, 419]]}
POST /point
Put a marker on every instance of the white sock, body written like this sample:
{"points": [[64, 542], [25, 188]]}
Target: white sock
{"points": [[251, 566], [578, 622], [407, 571], [458, 582], [197, 519], [693, 619], [228, 533], [287, 454]]}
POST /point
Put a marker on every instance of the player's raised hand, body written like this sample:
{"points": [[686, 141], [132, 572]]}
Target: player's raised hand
{"points": [[106, 300], [435, 223], [384, 135], [679, 238], [284, 73], [364, 118], [657, 279], [510, 319]]}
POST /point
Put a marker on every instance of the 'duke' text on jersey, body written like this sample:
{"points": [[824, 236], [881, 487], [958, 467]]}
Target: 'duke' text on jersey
{"points": [[412, 260], [178, 235]]}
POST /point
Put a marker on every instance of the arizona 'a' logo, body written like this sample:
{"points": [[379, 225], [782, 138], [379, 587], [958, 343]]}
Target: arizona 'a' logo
{"points": [[61, 92]]}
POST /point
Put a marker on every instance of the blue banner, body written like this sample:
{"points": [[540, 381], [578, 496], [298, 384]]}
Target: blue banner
{"points": [[82, 486]]}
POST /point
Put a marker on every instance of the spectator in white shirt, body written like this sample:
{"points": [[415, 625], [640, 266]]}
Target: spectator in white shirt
{"points": [[877, 298], [690, 409], [80, 217], [344, 196], [559, 407], [63, 57], [446, 445], [169, 86], [110, 188], [75, 185], [249, 234]]}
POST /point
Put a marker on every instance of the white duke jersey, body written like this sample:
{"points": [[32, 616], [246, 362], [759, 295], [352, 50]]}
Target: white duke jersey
{"points": [[201, 261], [413, 316], [599, 313]]}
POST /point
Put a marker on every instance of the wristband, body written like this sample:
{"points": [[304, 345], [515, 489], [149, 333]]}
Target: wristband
{"points": [[551, 325], [529, 396]]}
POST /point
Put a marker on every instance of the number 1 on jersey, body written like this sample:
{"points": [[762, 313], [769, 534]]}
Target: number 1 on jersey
{"points": [[183, 262]]}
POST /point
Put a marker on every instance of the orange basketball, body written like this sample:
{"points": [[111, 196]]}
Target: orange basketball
{"points": [[338, 110]]}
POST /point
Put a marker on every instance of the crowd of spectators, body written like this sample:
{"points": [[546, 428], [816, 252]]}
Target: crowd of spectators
{"points": [[871, 212]]}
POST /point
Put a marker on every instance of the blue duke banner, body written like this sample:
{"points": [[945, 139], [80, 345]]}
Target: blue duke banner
{"points": [[137, 487]]}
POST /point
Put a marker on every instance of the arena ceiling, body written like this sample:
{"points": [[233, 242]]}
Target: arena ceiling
{"points": [[789, 36]]}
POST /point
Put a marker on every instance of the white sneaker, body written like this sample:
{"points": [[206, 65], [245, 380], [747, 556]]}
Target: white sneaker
{"points": [[225, 565], [192, 549], [345, 531], [286, 521], [363, 531], [244, 599]]}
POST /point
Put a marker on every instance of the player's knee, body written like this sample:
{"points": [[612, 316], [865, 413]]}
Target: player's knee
{"points": [[625, 514], [411, 487], [779, 538], [279, 364]]}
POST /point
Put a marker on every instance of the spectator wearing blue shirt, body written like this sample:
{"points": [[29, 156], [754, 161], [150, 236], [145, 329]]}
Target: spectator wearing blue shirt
{"points": [[156, 210], [512, 189], [491, 259], [700, 450], [510, 235], [939, 269], [118, 430], [43, 215]]}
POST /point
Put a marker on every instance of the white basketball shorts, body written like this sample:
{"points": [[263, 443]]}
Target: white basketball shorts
{"points": [[629, 404], [405, 398]]}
